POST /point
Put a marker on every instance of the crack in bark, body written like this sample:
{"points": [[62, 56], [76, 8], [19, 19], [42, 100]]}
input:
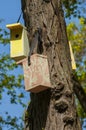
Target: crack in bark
{"points": [[68, 120], [61, 106]]}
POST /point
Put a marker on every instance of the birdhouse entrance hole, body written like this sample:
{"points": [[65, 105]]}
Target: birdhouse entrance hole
{"points": [[17, 36]]}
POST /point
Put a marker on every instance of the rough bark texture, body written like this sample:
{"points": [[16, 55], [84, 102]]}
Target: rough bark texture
{"points": [[51, 109]]}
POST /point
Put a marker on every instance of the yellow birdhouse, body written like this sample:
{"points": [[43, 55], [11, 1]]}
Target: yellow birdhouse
{"points": [[72, 57], [19, 47]]}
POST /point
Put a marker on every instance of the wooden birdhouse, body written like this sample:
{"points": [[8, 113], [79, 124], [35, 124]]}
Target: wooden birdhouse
{"points": [[73, 63], [36, 76], [19, 47]]}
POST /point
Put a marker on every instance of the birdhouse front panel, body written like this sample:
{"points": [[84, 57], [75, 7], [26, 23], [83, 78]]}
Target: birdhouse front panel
{"points": [[19, 47], [16, 45], [36, 76]]}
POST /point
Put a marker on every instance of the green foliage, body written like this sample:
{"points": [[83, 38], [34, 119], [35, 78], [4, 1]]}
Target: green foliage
{"points": [[3, 36], [10, 84], [11, 123], [77, 37], [74, 8]]}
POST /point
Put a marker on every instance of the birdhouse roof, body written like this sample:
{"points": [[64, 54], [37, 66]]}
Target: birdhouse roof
{"points": [[15, 26]]}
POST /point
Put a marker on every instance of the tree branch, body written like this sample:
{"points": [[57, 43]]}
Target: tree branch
{"points": [[81, 95]]}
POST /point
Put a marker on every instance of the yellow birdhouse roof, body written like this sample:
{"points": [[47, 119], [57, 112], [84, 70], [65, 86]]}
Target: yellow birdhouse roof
{"points": [[15, 26]]}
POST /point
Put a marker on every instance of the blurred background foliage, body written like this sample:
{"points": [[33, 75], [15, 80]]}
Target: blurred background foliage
{"points": [[77, 36], [11, 84]]}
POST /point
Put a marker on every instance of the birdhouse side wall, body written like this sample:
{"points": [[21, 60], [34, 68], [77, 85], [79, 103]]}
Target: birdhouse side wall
{"points": [[73, 63], [25, 42]]}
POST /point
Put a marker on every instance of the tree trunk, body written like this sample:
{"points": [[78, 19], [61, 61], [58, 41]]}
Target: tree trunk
{"points": [[51, 109]]}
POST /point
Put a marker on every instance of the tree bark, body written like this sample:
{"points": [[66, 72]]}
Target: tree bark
{"points": [[51, 109]]}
